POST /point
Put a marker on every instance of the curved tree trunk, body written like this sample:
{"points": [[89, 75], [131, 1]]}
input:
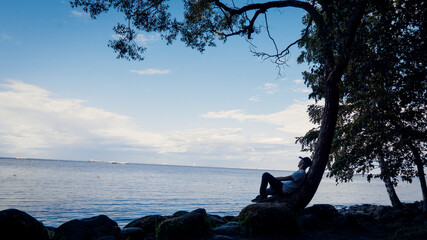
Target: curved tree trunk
{"points": [[421, 175], [394, 199], [335, 65], [303, 196]]}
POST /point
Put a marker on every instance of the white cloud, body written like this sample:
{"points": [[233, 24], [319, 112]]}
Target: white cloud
{"points": [[145, 38], [302, 90], [254, 98], [79, 14], [294, 119], [271, 88], [151, 71], [141, 38]]}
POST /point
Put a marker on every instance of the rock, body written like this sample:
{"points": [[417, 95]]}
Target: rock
{"points": [[148, 224], [107, 238], [361, 209], [381, 212], [421, 219], [267, 219], [228, 229], [193, 225], [411, 211], [323, 211], [230, 218], [221, 237], [51, 232], [326, 217], [216, 220], [346, 222], [409, 233], [132, 233], [18, 225], [179, 213], [88, 229], [309, 222]]}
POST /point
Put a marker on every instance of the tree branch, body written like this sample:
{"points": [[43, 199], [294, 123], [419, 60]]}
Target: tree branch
{"points": [[279, 55], [247, 29], [351, 30], [262, 8], [309, 8]]}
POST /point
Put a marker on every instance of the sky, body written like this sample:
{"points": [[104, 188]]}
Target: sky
{"points": [[64, 95]]}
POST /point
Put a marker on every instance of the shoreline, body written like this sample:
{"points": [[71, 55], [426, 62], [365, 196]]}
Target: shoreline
{"points": [[122, 221], [319, 221]]}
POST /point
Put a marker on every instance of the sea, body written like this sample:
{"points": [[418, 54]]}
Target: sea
{"points": [[57, 191]]}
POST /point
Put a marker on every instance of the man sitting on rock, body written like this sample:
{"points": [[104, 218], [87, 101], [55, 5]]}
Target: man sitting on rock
{"points": [[283, 185]]}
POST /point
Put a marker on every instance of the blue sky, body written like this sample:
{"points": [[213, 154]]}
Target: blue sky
{"points": [[64, 95]]}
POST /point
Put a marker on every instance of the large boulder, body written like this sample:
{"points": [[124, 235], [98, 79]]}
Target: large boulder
{"points": [[309, 222], [18, 225], [228, 229], [347, 222], [323, 211], [133, 233], [216, 220], [88, 229], [179, 213], [268, 219], [148, 224], [193, 225]]}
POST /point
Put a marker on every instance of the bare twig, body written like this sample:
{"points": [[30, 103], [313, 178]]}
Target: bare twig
{"points": [[279, 57]]}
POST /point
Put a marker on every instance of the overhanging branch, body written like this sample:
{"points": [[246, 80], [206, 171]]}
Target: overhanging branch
{"points": [[309, 8]]}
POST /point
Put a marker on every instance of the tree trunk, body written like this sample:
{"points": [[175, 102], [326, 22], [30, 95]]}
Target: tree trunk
{"points": [[335, 65], [395, 201], [421, 175], [303, 196]]}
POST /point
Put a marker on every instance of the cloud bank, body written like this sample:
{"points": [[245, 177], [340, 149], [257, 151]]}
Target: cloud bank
{"points": [[37, 123]]}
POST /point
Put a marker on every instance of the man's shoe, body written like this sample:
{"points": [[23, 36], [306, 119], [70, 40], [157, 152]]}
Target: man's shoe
{"points": [[259, 198]]}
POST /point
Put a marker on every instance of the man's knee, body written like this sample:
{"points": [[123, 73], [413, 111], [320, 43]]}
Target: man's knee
{"points": [[266, 175]]}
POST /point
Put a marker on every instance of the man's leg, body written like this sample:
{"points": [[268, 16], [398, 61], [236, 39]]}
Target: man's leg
{"points": [[275, 184]]}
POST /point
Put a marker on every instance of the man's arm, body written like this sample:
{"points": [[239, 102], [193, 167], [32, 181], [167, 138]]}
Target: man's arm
{"points": [[287, 178]]}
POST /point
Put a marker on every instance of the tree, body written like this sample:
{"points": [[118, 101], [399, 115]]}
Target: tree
{"points": [[383, 117], [335, 26]]}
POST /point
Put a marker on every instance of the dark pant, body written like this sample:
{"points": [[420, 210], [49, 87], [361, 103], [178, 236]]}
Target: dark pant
{"points": [[275, 184]]}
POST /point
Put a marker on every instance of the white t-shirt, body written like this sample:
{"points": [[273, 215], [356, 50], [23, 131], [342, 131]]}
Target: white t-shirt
{"points": [[292, 185]]}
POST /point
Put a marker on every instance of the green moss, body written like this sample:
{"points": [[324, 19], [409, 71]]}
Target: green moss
{"points": [[168, 230], [245, 225]]}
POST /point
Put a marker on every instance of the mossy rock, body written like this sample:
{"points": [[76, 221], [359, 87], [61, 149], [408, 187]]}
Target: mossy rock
{"points": [[193, 225], [148, 224], [268, 219]]}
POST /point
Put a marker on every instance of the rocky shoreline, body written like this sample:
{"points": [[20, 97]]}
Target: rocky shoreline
{"points": [[256, 221]]}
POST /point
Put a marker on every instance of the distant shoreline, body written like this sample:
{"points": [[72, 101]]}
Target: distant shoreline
{"points": [[153, 164]]}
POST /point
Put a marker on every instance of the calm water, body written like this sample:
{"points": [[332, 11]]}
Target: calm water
{"points": [[55, 192]]}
